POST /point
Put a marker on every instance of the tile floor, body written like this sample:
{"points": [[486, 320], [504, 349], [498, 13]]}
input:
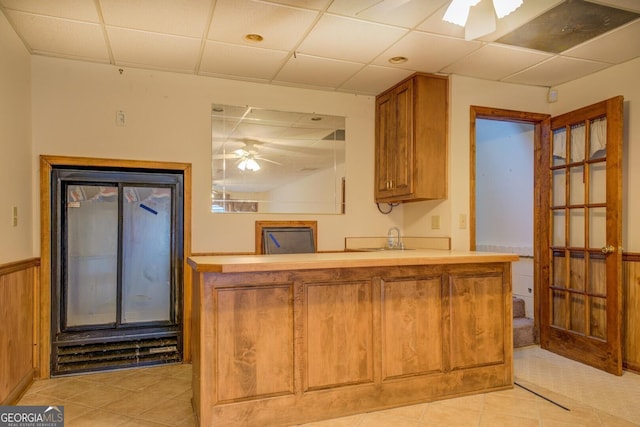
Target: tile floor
{"points": [[160, 396]]}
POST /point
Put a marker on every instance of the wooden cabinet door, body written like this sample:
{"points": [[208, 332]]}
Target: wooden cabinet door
{"points": [[395, 142], [385, 134], [582, 264]]}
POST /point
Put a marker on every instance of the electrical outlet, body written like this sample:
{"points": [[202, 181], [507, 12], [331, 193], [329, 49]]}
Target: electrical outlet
{"points": [[435, 222], [462, 221]]}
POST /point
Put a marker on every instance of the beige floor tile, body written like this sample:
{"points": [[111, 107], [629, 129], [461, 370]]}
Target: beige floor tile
{"points": [[169, 412], [98, 418], [450, 416], [350, 421], [506, 420], [98, 395], [138, 381], [171, 387], [412, 412], [383, 419], [495, 403], [136, 403]]}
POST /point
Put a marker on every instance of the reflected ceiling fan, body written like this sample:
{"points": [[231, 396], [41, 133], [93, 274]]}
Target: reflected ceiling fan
{"points": [[247, 156]]}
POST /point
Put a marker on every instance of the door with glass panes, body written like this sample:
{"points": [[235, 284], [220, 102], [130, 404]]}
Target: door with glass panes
{"points": [[117, 269], [581, 267]]}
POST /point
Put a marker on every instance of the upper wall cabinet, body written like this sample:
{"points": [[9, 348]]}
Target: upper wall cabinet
{"points": [[411, 140]]}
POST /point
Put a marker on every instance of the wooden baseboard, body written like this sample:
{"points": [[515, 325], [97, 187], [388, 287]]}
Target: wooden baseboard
{"points": [[19, 389]]}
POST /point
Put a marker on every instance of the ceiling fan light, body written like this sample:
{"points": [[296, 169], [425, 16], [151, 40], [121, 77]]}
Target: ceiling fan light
{"points": [[458, 11], [249, 164], [505, 7]]}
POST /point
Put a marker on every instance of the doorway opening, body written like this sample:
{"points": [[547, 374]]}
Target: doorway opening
{"points": [[483, 119]]}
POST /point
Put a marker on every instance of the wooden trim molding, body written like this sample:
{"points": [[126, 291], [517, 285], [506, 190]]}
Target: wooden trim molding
{"points": [[47, 163], [19, 265]]}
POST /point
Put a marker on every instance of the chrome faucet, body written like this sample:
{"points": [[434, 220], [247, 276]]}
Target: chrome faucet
{"points": [[394, 242]]}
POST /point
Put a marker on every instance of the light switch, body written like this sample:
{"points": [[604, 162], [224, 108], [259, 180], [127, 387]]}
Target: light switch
{"points": [[120, 118], [14, 216], [435, 222], [462, 221]]}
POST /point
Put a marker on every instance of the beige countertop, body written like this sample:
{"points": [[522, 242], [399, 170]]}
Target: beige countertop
{"points": [[259, 263]]}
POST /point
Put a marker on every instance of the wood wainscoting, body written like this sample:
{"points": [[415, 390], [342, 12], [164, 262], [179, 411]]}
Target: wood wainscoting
{"points": [[630, 312], [18, 327]]}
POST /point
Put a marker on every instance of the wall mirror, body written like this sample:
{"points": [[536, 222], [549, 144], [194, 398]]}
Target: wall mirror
{"points": [[267, 161]]}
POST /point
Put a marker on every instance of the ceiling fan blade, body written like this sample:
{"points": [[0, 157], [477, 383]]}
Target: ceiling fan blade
{"points": [[481, 21], [262, 159]]}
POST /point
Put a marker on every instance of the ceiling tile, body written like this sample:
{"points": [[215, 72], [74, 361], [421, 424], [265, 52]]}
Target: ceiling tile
{"points": [[349, 39], [556, 71], [405, 14], [141, 48], [374, 80], [614, 48], [81, 10], [179, 17], [55, 36], [318, 72], [305, 4], [243, 61], [494, 62], [427, 52], [281, 26]]}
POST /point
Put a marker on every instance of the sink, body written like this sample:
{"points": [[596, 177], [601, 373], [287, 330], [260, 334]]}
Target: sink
{"points": [[383, 248]]}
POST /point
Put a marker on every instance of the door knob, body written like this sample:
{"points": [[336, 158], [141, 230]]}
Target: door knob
{"points": [[608, 249]]}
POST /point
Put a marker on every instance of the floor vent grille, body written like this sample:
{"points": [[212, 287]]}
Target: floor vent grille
{"points": [[75, 358]]}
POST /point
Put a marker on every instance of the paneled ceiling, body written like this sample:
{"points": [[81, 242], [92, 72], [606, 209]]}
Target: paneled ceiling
{"points": [[342, 45]]}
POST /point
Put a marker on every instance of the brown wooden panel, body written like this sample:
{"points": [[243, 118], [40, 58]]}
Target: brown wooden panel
{"points": [[631, 315], [477, 320], [412, 327], [339, 331], [255, 342], [16, 333]]}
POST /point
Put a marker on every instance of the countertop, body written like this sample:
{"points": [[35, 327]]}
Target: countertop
{"points": [[260, 263]]}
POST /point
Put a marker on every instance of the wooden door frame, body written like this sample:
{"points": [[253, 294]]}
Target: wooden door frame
{"points": [[47, 163], [541, 124]]}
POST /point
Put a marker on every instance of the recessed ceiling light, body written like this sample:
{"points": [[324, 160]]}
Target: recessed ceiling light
{"points": [[253, 38], [398, 59]]}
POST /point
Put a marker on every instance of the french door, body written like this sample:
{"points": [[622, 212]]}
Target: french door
{"points": [[117, 271], [580, 298]]}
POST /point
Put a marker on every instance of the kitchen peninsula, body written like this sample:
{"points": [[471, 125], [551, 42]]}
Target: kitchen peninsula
{"points": [[289, 339]]}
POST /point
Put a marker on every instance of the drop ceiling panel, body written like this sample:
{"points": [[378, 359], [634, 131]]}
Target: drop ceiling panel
{"points": [[349, 39], [179, 17], [153, 50], [614, 48], [235, 60], [375, 79], [281, 26], [402, 13], [555, 71], [81, 10], [427, 52], [319, 72], [61, 37], [495, 62]]}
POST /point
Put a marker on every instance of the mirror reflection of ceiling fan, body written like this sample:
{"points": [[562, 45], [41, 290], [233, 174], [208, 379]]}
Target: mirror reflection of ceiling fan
{"points": [[247, 156], [478, 17]]}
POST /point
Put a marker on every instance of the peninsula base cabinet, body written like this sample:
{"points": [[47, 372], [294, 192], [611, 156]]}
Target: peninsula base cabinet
{"points": [[288, 347]]}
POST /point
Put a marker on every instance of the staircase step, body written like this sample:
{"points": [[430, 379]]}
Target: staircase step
{"points": [[518, 307], [523, 332]]}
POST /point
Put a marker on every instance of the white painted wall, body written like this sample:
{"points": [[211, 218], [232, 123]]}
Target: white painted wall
{"points": [[504, 186], [168, 119], [15, 146]]}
